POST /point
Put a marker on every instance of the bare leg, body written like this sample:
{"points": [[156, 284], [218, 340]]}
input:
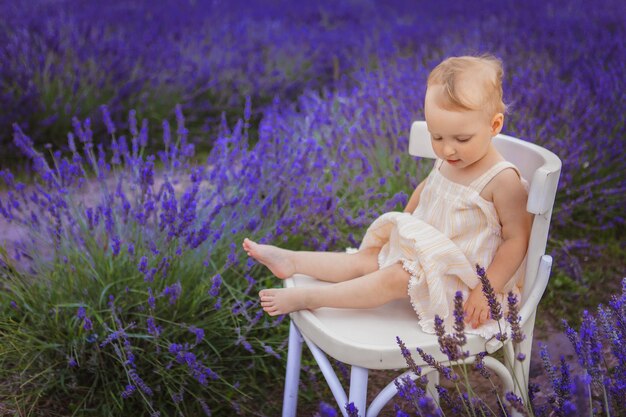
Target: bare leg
{"points": [[325, 266], [371, 290]]}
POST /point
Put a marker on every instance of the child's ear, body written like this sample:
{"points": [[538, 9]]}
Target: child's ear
{"points": [[497, 123]]}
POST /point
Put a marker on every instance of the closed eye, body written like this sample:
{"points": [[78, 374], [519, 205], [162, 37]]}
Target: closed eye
{"points": [[435, 137], [463, 138]]}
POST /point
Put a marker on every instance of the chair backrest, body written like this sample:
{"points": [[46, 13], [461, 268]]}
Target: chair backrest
{"points": [[540, 167]]}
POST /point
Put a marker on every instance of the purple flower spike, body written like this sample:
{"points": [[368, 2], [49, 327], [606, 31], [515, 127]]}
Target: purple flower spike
{"points": [[198, 332], [516, 402], [408, 358], [87, 324], [514, 318], [446, 371], [428, 407], [352, 410], [216, 282], [151, 299], [106, 117], [173, 292], [132, 122], [128, 391], [153, 329], [480, 365], [459, 322], [116, 245], [494, 306], [326, 410], [134, 376], [143, 265]]}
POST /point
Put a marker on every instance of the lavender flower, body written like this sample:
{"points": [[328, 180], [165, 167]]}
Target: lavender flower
{"points": [[128, 391], [459, 322], [195, 367], [115, 245], [153, 329], [177, 397], [446, 371], [453, 403], [479, 364], [198, 332], [112, 337], [132, 122], [205, 408], [151, 299], [428, 408], [269, 350], [588, 346], [408, 358], [514, 318], [216, 282], [173, 292], [494, 306], [87, 324], [106, 116], [352, 410], [450, 345], [134, 376], [143, 264], [516, 402], [326, 410]]}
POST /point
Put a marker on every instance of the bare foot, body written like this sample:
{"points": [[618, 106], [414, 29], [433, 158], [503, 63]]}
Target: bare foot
{"points": [[276, 259], [277, 301]]}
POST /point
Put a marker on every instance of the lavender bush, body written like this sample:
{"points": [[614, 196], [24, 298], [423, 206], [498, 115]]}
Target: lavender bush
{"points": [[129, 299], [129, 291], [142, 293], [563, 59], [65, 58]]}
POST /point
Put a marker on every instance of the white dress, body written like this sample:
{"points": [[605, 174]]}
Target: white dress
{"points": [[452, 229]]}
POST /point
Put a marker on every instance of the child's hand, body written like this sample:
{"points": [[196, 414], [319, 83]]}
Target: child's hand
{"points": [[476, 307]]}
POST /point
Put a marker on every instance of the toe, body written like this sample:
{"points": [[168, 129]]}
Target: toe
{"points": [[266, 294], [271, 310]]}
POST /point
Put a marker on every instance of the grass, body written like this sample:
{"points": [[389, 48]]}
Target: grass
{"points": [[566, 296]]}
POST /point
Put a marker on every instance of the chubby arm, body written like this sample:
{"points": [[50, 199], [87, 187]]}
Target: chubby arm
{"points": [[415, 198], [509, 199]]}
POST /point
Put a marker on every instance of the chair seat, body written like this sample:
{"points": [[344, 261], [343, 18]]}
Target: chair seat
{"points": [[367, 337]]}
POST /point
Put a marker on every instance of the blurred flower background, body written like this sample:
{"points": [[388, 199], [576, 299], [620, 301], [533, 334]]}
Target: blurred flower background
{"points": [[142, 141]]}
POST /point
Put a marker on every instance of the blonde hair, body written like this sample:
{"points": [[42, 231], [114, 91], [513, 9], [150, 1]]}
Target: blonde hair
{"points": [[457, 75]]}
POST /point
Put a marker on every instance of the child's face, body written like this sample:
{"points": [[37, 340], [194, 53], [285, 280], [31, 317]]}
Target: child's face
{"points": [[459, 137]]}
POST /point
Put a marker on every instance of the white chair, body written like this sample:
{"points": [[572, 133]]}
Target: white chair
{"points": [[366, 338]]}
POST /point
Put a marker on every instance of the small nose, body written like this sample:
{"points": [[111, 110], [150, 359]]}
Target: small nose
{"points": [[448, 150]]}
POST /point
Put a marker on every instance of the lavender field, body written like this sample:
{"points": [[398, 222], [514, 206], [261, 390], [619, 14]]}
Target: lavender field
{"points": [[142, 141]]}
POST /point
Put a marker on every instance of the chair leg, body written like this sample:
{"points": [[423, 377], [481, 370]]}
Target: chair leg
{"points": [[358, 389], [292, 377]]}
